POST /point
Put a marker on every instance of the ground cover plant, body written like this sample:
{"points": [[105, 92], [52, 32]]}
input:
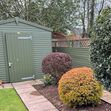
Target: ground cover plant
{"points": [[49, 80], [10, 101], [56, 64], [101, 48]]}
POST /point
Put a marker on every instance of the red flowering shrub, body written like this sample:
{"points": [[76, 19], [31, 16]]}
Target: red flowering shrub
{"points": [[56, 64], [78, 87]]}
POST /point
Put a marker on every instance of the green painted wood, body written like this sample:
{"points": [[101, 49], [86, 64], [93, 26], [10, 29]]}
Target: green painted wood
{"points": [[20, 56], [17, 20], [41, 48], [3, 73], [41, 45], [80, 56]]}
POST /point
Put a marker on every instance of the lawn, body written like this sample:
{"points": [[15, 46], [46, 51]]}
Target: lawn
{"points": [[10, 101]]}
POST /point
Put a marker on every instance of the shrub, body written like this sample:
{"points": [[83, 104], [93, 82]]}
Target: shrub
{"points": [[56, 64], [101, 48], [49, 80], [77, 87]]}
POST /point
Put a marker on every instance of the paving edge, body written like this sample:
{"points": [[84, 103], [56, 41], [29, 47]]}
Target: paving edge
{"points": [[54, 108], [106, 96], [20, 97]]}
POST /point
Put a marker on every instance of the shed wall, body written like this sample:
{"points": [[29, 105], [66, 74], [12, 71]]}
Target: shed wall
{"points": [[3, 74], [41, 46]]}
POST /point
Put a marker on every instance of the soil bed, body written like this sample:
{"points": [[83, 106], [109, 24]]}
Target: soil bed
{"points": [[51, 93]]}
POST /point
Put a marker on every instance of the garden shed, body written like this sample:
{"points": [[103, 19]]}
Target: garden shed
{"points": [[23, 45]]}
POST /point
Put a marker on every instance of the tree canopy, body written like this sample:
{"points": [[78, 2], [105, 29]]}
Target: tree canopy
{"points": [[61, 15]]}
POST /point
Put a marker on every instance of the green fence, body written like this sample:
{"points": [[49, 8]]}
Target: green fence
{"points": [[80, 56]]}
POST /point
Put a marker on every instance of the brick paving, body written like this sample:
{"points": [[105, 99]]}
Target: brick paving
{"points": [[106, 96], [6, 85], [33, 100]]}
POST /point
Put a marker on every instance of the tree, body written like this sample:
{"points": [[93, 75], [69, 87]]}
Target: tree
{"points": [[88, 11], [92, 14], [57, 14], [61, 15], [84, 16]]}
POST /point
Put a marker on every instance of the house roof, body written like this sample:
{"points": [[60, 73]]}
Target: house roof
{"points": [[58, 35], [73, 37], [61, 36], [17, 20]]}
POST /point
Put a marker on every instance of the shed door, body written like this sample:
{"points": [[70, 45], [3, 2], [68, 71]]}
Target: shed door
{"points": [[19, 50]]}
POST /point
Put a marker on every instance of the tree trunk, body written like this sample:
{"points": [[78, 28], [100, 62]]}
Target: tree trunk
{"points": [[92, 14], [88, 8], [84, 15], [102, 6]]}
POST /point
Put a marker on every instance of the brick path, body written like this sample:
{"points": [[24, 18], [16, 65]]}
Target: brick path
{"points": [[7, 85], [31, 98], [106, 96]]}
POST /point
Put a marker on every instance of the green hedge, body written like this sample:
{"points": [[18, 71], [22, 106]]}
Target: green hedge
{"points": [[101, 48]]}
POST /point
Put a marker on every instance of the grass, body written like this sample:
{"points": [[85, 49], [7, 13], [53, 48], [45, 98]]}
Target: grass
{"points": [[10, 101]]}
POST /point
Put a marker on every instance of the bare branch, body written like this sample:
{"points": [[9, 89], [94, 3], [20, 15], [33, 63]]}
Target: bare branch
{"points": [[102, 6]]}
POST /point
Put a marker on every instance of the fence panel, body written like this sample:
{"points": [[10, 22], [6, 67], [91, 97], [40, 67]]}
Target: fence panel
{"points": [[77, 43], [80, 56]]}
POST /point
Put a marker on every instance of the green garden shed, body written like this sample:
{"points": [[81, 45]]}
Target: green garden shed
{"points": [[23, 45]]}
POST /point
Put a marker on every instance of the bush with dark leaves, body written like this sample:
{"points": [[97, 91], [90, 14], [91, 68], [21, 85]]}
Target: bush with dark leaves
{"points": [[56, 64]]}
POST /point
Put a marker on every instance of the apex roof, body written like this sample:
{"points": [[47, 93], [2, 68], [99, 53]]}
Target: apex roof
{"points": [[17, 20]]}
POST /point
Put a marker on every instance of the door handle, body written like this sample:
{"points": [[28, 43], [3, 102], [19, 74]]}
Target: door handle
{"points": [[10, 64]]}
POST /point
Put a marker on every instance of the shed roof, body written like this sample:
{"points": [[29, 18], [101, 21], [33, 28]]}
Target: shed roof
{"points": [[17, 20]]}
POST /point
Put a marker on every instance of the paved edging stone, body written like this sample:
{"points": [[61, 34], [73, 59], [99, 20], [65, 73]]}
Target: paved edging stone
{"points": [[106, 96], [34, 102]]}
